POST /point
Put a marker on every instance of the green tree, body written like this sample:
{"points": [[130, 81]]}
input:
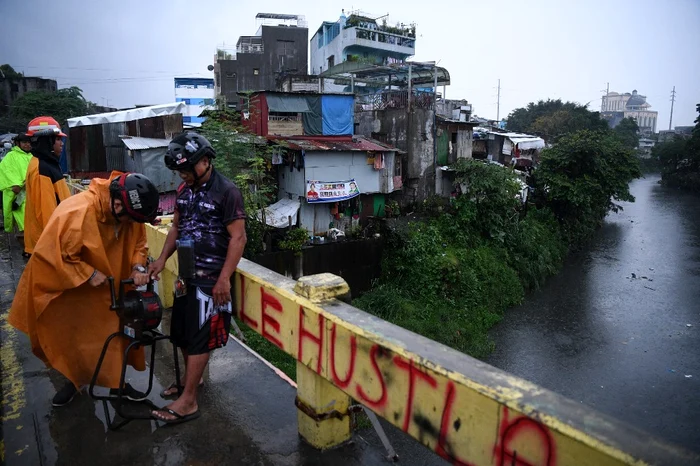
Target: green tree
{"points": [[8, 72], [669, 154], [628, 133], [581, 178], [62, 104], [680, 160], [552, 119], [244, 158]]}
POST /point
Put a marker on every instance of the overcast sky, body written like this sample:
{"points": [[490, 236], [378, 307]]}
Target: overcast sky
{"points": [[127, 52]]}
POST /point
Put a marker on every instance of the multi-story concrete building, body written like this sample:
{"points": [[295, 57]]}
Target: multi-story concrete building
{"points": [[616, 106], [684, 132], [13, 88], [198, 95], [279, 47], [361, 39]]}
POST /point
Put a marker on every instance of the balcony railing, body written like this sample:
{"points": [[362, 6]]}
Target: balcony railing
{"points": [[385, 37], [250, 48], [394, 99]]}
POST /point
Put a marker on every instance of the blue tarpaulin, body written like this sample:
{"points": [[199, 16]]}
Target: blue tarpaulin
{"points": [[337, 114]]}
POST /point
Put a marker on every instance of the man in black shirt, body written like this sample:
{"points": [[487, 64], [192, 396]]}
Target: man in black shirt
{"points": [[210, 216]]}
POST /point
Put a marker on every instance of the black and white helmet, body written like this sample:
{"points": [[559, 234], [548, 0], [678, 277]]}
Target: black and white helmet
{"points": [[138, 195], [186, 149]]}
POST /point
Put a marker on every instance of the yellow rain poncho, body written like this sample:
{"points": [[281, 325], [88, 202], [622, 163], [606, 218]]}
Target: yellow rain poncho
{"points": [[67, 319]]}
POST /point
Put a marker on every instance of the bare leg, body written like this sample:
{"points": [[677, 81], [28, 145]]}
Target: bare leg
{"points": [[172, 390], [187, 403]]}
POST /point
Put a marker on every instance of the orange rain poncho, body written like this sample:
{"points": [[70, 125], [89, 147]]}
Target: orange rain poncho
{"points": [[45, 189], [67, 319]]}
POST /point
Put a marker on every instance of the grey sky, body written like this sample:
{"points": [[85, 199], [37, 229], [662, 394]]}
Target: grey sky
{"points": [[126, 52]]}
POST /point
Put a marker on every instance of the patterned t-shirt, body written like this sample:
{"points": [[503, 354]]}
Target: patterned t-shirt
{"points": [[204, 214]]}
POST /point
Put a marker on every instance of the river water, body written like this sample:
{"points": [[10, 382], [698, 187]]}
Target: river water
{"points": [[626, 345]]}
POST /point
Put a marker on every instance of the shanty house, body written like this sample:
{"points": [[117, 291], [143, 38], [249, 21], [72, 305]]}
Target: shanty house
{"points": [[95, 146]]}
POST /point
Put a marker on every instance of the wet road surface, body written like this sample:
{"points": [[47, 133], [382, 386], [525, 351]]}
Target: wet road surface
{"points": [[615, 341], [248, 413]]}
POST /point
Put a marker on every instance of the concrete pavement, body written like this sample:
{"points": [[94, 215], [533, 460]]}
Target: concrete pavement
{"points": [[248, 413]]}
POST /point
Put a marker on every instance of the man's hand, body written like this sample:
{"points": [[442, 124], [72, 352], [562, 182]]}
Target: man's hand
{"points": [[140, 278], [16, 189], [98, 279], [155, 268], [222, 292]]}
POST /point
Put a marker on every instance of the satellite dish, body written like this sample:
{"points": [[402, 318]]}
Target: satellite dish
{"points": [[210, 67]]}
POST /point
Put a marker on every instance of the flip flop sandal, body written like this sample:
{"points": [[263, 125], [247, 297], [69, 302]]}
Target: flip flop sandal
{"points": [[179, 418], [173, 386]]}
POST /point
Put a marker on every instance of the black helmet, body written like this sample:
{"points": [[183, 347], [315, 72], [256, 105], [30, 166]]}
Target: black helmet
{"points": [[138, 195], [186, 149]]}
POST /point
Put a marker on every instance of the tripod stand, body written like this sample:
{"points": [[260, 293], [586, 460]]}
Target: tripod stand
{"points": [[140, 313]]}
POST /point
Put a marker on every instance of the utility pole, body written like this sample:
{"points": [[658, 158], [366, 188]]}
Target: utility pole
{"points": [[673, 100], [498, 105], [602, 101]]}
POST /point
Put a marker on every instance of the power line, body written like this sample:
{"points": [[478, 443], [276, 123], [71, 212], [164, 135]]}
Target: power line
{"points": [[115, 81], [92, 69]]}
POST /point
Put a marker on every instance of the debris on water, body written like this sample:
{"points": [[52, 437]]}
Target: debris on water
{"points": [[650, 288], [688, 325], [645, 278], [634, 275], [671, 370], [688, 376], [651, 268], [651, 279]]}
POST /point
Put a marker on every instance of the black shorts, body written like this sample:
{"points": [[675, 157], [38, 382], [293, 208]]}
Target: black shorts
{"points": [[197, 325]]}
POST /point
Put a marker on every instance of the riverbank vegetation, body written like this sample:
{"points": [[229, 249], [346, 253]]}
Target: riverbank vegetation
{"points": [[450, 273], [680, 160]]}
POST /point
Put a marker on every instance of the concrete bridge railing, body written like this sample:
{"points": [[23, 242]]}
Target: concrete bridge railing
{"points": [[463, 409]]}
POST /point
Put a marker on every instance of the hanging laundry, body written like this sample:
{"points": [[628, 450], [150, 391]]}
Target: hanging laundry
{"points": [[379, 161], [277, 159]]}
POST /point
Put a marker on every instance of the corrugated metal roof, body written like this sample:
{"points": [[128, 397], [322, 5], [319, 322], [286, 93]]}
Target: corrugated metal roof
{"points": [[139, 143], [128, 115], [356, 143]]}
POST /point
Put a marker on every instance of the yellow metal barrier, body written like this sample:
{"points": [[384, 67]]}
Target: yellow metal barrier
{"points": [[466, 411]]}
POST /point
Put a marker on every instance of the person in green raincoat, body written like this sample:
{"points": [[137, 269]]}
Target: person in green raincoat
{"points": [[13, 173]]}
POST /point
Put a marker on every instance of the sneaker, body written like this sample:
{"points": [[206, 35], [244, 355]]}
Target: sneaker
{"points": [[65, 395], [130, 393]]}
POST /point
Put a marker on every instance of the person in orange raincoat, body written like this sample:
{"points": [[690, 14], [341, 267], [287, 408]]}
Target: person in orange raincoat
{"points": [[63, 300], [45, 187]]}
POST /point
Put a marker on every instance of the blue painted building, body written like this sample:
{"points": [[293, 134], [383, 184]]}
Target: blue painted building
{"points": [[198, 95]]}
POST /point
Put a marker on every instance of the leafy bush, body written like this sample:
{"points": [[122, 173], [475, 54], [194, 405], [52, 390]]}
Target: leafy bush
{"points": [[451, 276], [294, 240]]}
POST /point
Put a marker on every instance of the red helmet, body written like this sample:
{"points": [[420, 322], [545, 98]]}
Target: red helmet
{"points": [[44, 126]]}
